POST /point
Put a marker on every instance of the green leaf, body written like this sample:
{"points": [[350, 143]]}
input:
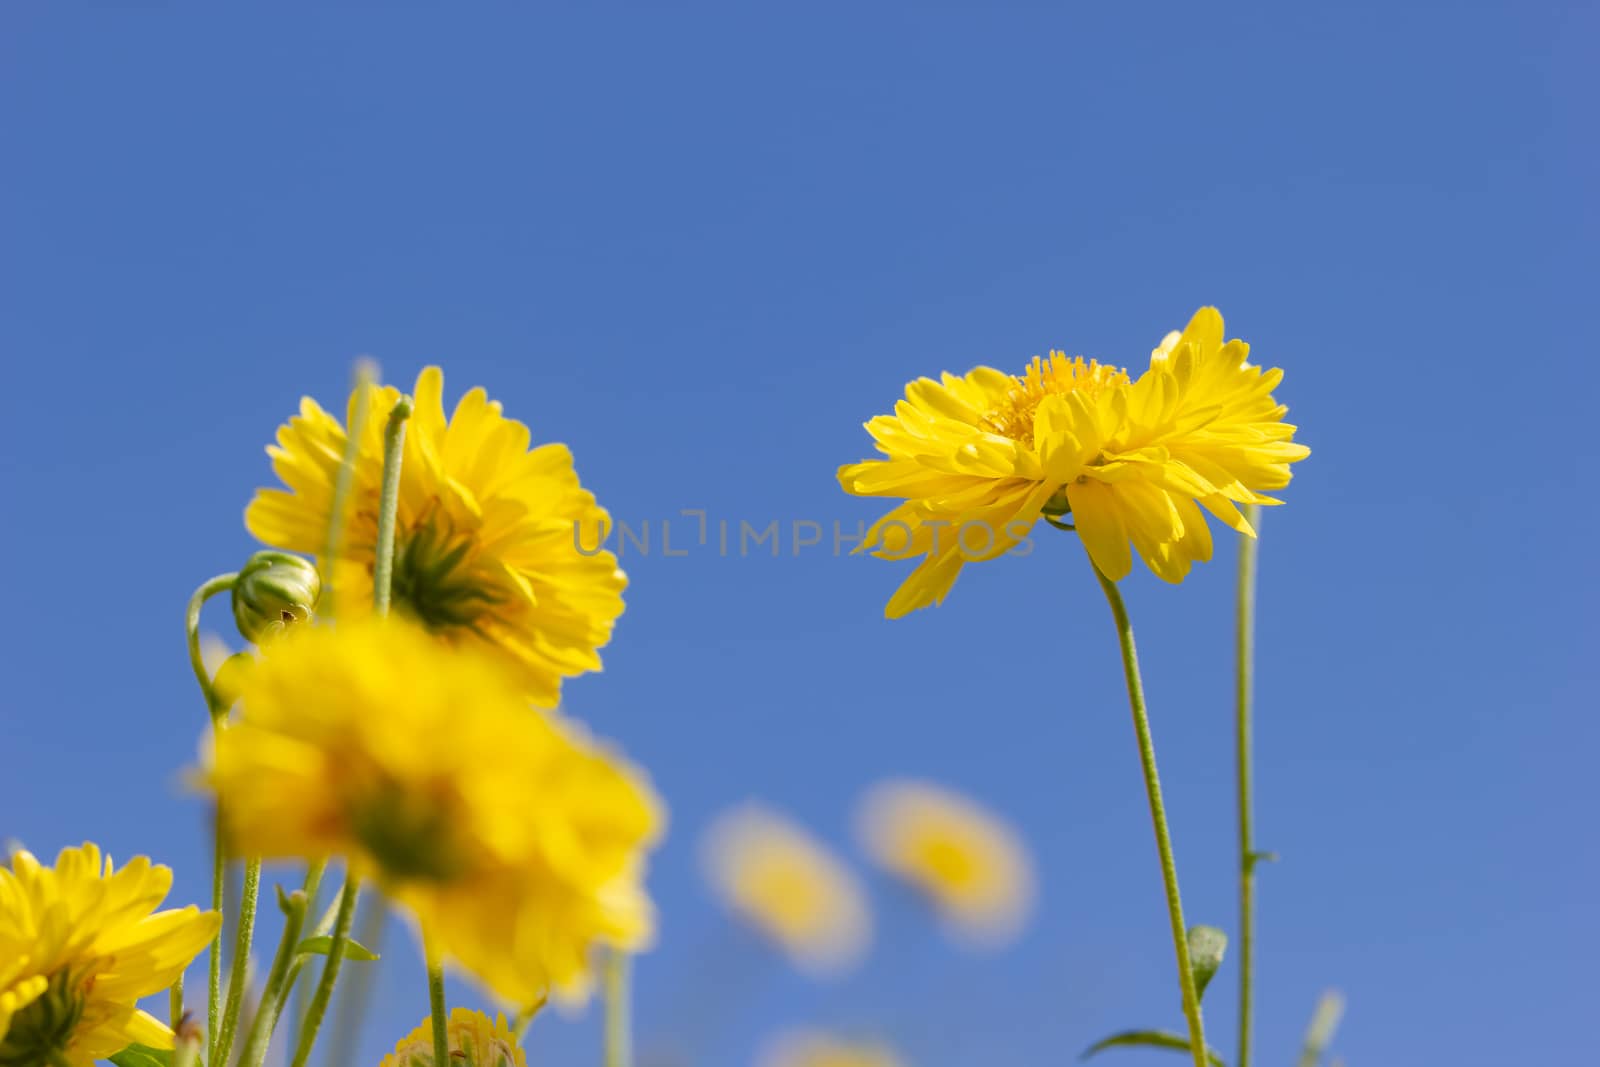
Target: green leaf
{"points": [[1149, 1039], [1207, 945], [143, 1056], [318, 946]]}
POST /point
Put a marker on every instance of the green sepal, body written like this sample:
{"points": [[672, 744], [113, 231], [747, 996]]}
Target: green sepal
{"points": [[143, 1056], [1150, 1039], [319, 946], [1207, 945]]}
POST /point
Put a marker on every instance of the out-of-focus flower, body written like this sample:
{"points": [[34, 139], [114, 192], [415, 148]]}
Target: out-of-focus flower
{"points": [[516, 841], [787, 884], [979, 459], [80, 943], [475, 1041], [492, 539], [817, 1049], [274, 590], [969, 863]]}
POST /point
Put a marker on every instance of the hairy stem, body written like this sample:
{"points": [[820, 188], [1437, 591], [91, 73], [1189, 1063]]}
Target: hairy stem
{"points": [[436, 1007], [330, 971], [619, 1043], [394, 439], [1244, 693], [241, 961], [1158, 817], [211, 587]]}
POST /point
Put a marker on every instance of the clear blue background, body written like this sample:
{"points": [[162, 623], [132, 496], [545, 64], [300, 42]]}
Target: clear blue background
{"points": [[702, 247]]}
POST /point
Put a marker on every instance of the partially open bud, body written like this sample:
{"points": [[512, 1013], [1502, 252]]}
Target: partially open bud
{"points": [[274, 591]]}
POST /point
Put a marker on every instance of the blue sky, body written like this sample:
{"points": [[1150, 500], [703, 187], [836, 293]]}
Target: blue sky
{"points": [[702, 247]]}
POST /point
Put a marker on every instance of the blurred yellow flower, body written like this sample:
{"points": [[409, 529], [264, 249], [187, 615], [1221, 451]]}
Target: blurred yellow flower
{"points": [[515, 840], [979, 459], [475, 1041], [815, 1049], [80, 943], [488, 536], [789, 886], [969, 863]]}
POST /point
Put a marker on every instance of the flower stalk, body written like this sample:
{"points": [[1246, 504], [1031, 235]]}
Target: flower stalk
{"points": [[241, 959], [1158, 817], [1244, 694], [619, 1044], [366, 375], [211, 587], [436, 1006], [394, 439], [348, 898], [383, 572]]}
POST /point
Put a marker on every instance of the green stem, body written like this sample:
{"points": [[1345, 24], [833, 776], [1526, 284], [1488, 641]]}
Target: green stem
{"points": [[284, 964], [175, 1003], [1324, 1022], [330, 971], [1244, 676], [355, 996], [1158, 817], [436, 1008], [366, 376], [241, 961], [619, 1045], [394, 439], [222, 583]]}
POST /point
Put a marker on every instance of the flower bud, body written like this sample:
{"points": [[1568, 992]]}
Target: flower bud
{"points": [[275, 590]]}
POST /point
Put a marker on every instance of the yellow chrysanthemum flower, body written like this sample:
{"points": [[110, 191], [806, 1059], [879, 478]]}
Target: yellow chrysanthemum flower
{"points": [[816, 1049], [80, 943], [516, 842], [475, 1041], [980, 458], [488, 536], [970, 864], [789, 886]]}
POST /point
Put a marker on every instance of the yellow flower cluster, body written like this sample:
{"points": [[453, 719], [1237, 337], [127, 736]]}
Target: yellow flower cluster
{"points": [[784, 882], [818, 1049], [980, 458], [487, 550], [515, 840], [969, 864], [475, 1041], [80, 943]]}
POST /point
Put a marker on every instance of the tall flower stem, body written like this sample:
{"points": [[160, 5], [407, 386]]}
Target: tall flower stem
{"points": [[355, 996], [436, 1008], [619, 1044], [394, 439], [241, 959], [330, 970], [1244, 700], [281, 974], [1158, 817], [211, 587], [366, 375], [383, 572]]}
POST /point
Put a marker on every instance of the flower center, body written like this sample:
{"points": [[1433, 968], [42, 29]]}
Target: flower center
{"points": [[432, 584], [43, 1028], [950, 864], [1013, 416], [410, 833]]}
